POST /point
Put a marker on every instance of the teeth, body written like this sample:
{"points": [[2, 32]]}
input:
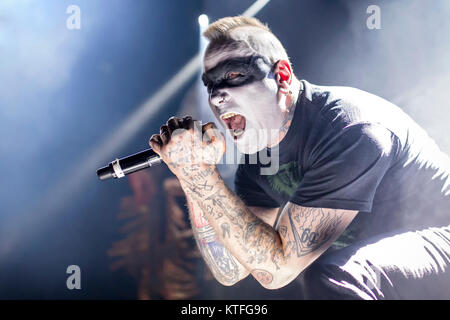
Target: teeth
{"points": [[228, 115], [237, 132]]}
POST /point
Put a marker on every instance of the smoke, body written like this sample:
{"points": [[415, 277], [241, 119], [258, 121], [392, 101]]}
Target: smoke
{"points": [[406, 61]]}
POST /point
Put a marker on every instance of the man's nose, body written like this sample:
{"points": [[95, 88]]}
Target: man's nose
{"points": [[219, 98]]}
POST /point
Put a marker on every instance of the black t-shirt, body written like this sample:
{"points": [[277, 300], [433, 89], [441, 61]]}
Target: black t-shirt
{"points": [[349, 149]]}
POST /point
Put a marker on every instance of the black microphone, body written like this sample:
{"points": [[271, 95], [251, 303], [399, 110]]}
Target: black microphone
{"points": [[121, 167]]}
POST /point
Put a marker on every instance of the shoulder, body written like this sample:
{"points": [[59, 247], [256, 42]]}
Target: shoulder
{"points": [[362, 140], [348, 103], [340, 107]]}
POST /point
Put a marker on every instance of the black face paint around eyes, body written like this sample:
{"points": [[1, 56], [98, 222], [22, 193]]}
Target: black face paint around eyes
{"points": [[208, 84], [251, 68]]}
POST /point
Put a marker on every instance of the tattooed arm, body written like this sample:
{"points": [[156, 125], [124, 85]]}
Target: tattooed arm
{"points": [[274, 257], [225, 268], [307, 232]]}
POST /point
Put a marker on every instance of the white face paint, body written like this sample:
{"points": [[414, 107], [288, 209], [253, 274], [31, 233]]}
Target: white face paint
{"points": [[256, 102]]}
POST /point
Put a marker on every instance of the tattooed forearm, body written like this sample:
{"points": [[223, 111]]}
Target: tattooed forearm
{"points": [[225, 268], [221, 263], [311, 228], [259, 241]]}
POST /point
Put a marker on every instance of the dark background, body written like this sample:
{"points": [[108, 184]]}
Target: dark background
{"points": [[63, 92]]}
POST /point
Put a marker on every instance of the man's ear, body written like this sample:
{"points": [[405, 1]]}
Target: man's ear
{"points": [[283, 74]]}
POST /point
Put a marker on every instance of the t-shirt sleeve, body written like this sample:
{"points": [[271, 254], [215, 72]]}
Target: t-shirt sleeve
{"points": [[345, 168], [249, 191]]}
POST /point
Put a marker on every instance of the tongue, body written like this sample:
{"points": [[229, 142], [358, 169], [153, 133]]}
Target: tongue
{"points": [[235, 122]]}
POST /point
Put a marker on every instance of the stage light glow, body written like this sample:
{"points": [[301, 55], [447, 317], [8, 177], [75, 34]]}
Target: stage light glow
{"points": [[57, 196], [255, 8], [203, 21]]}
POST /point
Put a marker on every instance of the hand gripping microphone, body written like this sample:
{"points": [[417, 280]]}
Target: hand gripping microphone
{"points": [[121, 167]]}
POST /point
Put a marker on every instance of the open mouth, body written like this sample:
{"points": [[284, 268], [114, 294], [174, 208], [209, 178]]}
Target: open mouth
{"points": [[235, 122]]}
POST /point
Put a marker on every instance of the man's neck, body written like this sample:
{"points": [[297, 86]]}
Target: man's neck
{"points": [[288, 114]]}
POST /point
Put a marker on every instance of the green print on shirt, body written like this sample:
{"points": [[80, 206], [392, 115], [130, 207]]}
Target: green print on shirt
{"points": [[287, 179]]}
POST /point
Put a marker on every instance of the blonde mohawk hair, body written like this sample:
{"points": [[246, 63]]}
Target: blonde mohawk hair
{"points": [[222, 27], [258, 38]]}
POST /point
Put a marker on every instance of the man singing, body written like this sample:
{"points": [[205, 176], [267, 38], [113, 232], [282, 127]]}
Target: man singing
{"points": [[361, 201]]}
